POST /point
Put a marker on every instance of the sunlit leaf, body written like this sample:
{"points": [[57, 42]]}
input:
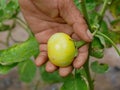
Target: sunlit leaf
{"points": [[19, 52], [6, 69]]}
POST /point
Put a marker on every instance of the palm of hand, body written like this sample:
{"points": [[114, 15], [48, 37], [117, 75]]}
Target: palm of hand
{"points": [[45, 18]]}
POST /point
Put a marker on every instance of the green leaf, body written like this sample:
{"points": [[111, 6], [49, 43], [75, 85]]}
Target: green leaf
{"points": [[4, 27], [102, 40], [115, 25], [19, 52], [115, 36], [2, 4], [50, 77], [27, 70], [7, 68], [77, 3], [82, 72], [90, 6], [1, 13], [75, 83], [97, 49], [115, 8], [99, 68], [8, 9], [11, 9]]}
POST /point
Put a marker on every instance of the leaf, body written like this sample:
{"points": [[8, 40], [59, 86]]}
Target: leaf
{"points": [[4, 27], [19, 52], [7, 68], [99, 68], [50, 77], [82, 72], [115, 25], [27, 70], [1, 13], [102, 40], [115, 8], [75, 83], [2, 3], [11, 9], [97, 49], [115, 36], [90, 6]]}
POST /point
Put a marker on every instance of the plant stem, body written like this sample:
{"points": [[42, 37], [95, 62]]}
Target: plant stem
{"points": [[99, 18], [25, 26], [79, 44], [8, 37], [86, 65], [90, 81], [84, 10], [114, 45], [102, 12]]}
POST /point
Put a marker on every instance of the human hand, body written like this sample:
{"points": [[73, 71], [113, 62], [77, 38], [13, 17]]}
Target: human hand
{"points": [[46, 17]]}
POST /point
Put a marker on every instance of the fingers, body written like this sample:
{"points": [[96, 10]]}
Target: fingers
{"points": [[81, 58], [43, 36], [73, 17], [65, 28], [43, 47], [75, 37], [50, 67], [65, 71], [41, 59], [82, 32]]}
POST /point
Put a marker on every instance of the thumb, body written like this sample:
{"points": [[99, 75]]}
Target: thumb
{"points": [[73, 17]]}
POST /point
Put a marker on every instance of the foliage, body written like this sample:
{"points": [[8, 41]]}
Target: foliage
{"points": [[50, 77], [106, 34], [25, 68]]}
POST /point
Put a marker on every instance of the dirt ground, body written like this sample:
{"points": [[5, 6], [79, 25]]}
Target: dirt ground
{"points": [[107, 81]]}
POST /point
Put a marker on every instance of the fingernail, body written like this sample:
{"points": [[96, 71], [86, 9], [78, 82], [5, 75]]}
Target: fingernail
{"points": [[89, 34]]}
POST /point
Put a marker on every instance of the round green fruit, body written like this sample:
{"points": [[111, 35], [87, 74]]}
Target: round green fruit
{"points": [[61, 49]]}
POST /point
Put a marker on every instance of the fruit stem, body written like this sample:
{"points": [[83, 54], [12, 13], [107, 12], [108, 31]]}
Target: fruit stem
{"points": [[79, 44]]}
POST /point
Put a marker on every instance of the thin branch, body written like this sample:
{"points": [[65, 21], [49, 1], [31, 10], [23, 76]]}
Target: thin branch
{"points": [[114, 45], [25, 26], [8, 37]]}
